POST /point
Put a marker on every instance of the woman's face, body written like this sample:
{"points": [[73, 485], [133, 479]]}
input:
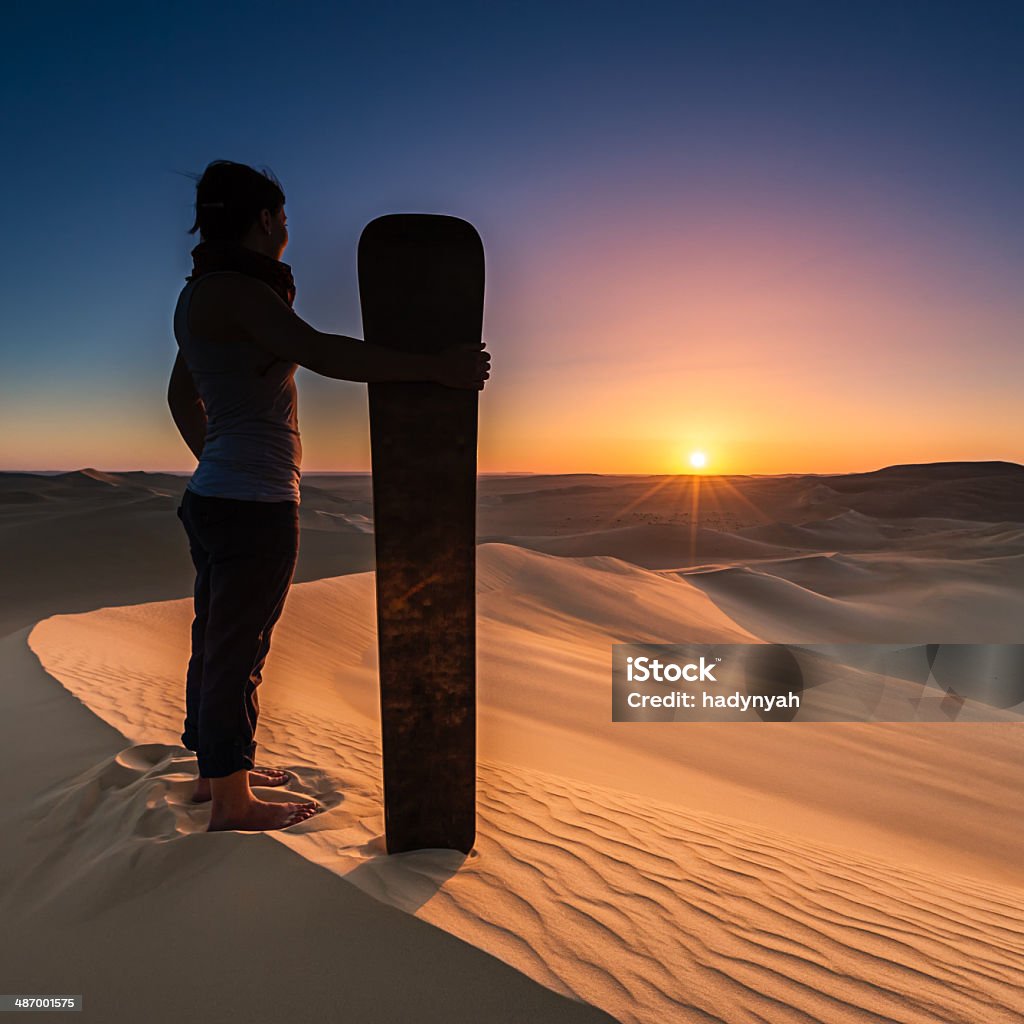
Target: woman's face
{"points": [[279, 232]]}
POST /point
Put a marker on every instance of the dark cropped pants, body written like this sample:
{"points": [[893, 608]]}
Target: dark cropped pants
{"points": [[244, 554]]}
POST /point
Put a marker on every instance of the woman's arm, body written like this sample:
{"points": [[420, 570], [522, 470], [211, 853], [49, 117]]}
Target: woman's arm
{"points": [[187, 409], [248, 306]]}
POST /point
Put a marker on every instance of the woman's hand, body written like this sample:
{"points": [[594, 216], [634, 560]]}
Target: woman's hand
{"points": [[462, 366]]}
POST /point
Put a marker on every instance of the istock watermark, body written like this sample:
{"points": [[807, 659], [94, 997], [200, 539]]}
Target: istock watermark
{"points": [[692, 682]]}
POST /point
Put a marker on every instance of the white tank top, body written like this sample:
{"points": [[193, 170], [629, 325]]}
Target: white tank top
{"points": [[253, 450]]}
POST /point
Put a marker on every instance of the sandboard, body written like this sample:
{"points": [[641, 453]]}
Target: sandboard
{"points": [[421, 288]]}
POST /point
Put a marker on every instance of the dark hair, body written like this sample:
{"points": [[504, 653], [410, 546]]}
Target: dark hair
{"points": [[229, 198]]}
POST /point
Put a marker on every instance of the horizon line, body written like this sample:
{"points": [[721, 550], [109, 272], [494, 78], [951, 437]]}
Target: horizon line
{"points": [[510, 472]]}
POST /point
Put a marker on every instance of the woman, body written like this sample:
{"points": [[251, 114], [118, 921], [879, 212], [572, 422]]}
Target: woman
{"points": [[232, 396]]}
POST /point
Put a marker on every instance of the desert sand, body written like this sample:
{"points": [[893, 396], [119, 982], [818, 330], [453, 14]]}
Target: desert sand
{"points": [[641, 872]]}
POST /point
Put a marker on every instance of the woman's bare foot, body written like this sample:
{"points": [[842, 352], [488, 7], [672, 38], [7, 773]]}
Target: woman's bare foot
{"points": [[261, 816], [257, 777], [234, 807]]}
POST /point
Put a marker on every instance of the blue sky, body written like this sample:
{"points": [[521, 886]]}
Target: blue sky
{"points": [[593, 146]]}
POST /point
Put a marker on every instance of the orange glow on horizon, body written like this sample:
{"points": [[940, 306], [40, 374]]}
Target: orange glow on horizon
{"points": [[768, 341]]}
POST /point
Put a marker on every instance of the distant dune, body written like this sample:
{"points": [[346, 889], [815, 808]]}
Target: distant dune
{"points": [[654, 546]]}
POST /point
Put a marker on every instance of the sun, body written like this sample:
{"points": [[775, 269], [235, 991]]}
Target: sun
{"points": [[698, 460]]}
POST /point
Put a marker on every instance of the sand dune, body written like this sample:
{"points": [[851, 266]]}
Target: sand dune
{"points": [[637, 907], [544, 626], [654, 546], [831, 872], [106, 894]]}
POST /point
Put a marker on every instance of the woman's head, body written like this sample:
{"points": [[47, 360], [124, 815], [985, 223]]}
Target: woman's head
{"points": [[236, 203]]}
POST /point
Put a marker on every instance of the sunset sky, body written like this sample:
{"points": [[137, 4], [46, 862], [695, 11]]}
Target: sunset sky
{"points": [[788, 236]]}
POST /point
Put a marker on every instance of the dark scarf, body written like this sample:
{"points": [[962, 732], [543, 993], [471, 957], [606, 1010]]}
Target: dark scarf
{"points": [[210, 256]]}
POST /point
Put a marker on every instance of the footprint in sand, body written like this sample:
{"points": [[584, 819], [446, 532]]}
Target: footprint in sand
{"points": [[143, 790]]}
